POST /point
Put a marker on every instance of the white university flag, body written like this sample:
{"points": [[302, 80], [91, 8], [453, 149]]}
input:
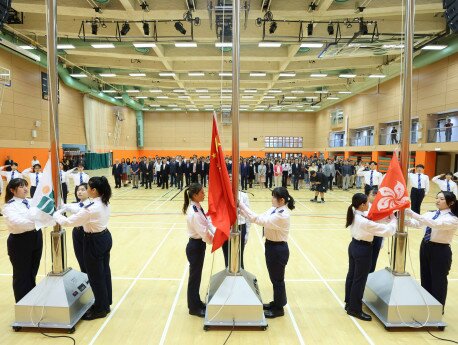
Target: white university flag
{"points": [[43, 199]]}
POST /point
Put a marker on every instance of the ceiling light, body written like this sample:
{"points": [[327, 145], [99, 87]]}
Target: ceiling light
{"points": [[204, 97], [247, 97], [196, 74], [310, 29], [318, 75], [132, 91], [311, 97], [333, 98], [102, 45], [308, 110], [194, 109], [250, 91], [155, 90], [65, 46], [144, 45], [273, 27], [226, 97], [27, 47], [322, 91], [154, 105], [183, 97], [107, 75], [226, 90], [290, 97], [393, 46], [118, 97], [162, 97], [176, 109], [274, 91], [298, 91], [330, 29], [201, 90], [434, 47], [186, 45], [137, 74], [141, 97], [292, 110], [225, 74], [287, 74], [78, 75], [345, 92], [257, 74], [146, 28], [179, 90], [269, 44], [347, 75], [125, 29], [315, 106], [223, 45], [377, 76], [311, 45], [269, 97], [180, 28], [109, 91], [166, 74], [172, 105]]}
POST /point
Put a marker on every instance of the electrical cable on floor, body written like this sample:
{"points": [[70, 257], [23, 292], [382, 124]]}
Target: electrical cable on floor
{"points": [[443, 339], [230, 333], [56, 336]]}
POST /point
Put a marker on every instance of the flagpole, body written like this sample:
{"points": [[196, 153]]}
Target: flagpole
{"points": [[398, 253], [234, 242]]}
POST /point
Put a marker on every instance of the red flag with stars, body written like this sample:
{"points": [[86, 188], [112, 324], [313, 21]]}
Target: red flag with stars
{"points": [[392, 194], [221, 206]]}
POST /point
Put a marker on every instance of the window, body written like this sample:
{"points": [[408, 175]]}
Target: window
{"points": [[337, 117], [277, 142]]}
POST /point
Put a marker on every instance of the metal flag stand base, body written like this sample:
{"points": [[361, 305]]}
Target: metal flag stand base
{"points": [[234, 300], [399, 301]]}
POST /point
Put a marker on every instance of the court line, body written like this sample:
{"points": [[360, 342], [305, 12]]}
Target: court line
{"points": [[155, 200], [363, 332], [113, 312], [304, 205], [290, 312], [174, 304]]}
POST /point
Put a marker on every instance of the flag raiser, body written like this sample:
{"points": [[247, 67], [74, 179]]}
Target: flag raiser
{"points": [[221, 206], [392, 194], [43, 199]]}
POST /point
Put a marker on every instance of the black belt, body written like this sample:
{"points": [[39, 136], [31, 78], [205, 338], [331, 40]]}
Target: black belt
{"points": [[95, 233], [374, 185], [195, 239], [25, 233], [418, 188], [364, 243], [436, 244], [275, 243]]}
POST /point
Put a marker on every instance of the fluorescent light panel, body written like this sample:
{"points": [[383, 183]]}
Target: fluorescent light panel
{"points": [[287, 74], [107, 75], [137, 74], [186, 44], [102, 45], [196, 74], [166, 74], [65, 46], [311, 45], [318, 75], [380, 76], [225, 74], [132, 91], [223, 45], [347, 75], [155, 91], [257, 74], [144, 45], [269, 44], [78, 75], [27, 47], [434, 47]]}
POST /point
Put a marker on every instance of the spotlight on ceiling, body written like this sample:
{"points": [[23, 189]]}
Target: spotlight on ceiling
{"points": [[363, 27], [146, 28], [313, 6], [144, 5], [273, 27], [180, 28], [330, 29], [94, 27], [258, 22], [310, 29], [125, 29]]}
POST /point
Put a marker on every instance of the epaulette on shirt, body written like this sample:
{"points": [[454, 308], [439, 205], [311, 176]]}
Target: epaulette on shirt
{"points": [[89, 205], [195, 208], [281, 211], [9, 202]]}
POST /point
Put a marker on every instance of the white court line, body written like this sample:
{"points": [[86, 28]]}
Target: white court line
{"points": [[156, 200], [290, 312], [172, 309], [304, 205], [113, 312], [363, 332]]}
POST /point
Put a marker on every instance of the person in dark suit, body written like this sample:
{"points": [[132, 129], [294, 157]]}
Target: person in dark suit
{"points": [[165, 172], [244, 171], [116, 171], [295, 172], [194, 175], [142, 168], [173, 172], [187, 172], [203, 168], [9, 162], [251, 173], [269, 173], [149, 171], [180, 169]]}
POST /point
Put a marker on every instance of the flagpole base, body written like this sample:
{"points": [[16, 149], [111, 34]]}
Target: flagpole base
{"points": [[58, 301], [234, 300], [399, 301]]}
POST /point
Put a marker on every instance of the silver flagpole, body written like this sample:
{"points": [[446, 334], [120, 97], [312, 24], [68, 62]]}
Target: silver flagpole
{"points": [[233, 298], [64, 295], [392, 294]]}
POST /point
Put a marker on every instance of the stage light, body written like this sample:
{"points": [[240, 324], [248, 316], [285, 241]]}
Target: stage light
{"points": [[94, 27], [330, 29], [179, 27], [363, 28], [310, 29], [146, 28], [125, 29], [273, 27]]}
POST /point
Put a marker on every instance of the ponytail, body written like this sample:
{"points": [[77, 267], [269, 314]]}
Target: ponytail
{"points": [[193, 189], [282, 193], [291, 203], [356, 201], [13, 185], [102, 186], [450, 199]]}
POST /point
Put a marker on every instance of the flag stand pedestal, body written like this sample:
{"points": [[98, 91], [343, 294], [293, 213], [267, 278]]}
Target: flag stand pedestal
{"points": [[234, 298], [60, 299]]}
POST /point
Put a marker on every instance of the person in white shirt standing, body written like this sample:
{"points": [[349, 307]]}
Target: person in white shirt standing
{"points": [[363, 231], [34, 177], [445, 183], [420, 187], [79, 178], [25, 243], [34, 162], [372, 178], [276, 223], [12, 174], [435, 250]]}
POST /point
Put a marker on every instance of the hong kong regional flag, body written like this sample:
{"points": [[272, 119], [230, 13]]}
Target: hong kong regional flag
{"points": [[221, 206], [392, 194]]}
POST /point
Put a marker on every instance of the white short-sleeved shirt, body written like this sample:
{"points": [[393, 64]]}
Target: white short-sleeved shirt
{"points": [[443, 228], [199, 226]]}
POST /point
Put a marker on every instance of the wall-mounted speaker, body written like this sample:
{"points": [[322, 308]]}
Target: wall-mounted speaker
{"points": [[451, 14], [5, 6]]}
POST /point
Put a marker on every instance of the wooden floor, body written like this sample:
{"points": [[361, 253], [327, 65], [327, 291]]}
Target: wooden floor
{"points": [[150, 274]]}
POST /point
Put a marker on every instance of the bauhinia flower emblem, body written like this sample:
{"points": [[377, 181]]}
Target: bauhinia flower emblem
{"points": [[392, 198]]}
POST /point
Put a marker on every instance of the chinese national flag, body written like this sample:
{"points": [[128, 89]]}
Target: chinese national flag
{"points": [[392, 194], [221, 206]]}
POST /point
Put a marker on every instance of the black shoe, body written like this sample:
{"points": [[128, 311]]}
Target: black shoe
{"points": [[322, 201], [198, 312], [346, 307], [108, 310], [273, 313], [359, 315], [267, 306], [92, 315], [313, 200], [318, 201]]}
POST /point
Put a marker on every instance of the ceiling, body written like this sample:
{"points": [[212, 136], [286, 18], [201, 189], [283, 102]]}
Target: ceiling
{"points": [[355, 54]]}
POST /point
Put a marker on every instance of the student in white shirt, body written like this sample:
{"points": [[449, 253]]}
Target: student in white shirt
{"points": [[276, 223], [34, 177], [12, 174], [372, 178], [64, 181], [80, 177], [34, 162], [97, 244], [363, 231], [435, 250], [200, 232], [420, 187], [445, 183], [25, 243]]}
